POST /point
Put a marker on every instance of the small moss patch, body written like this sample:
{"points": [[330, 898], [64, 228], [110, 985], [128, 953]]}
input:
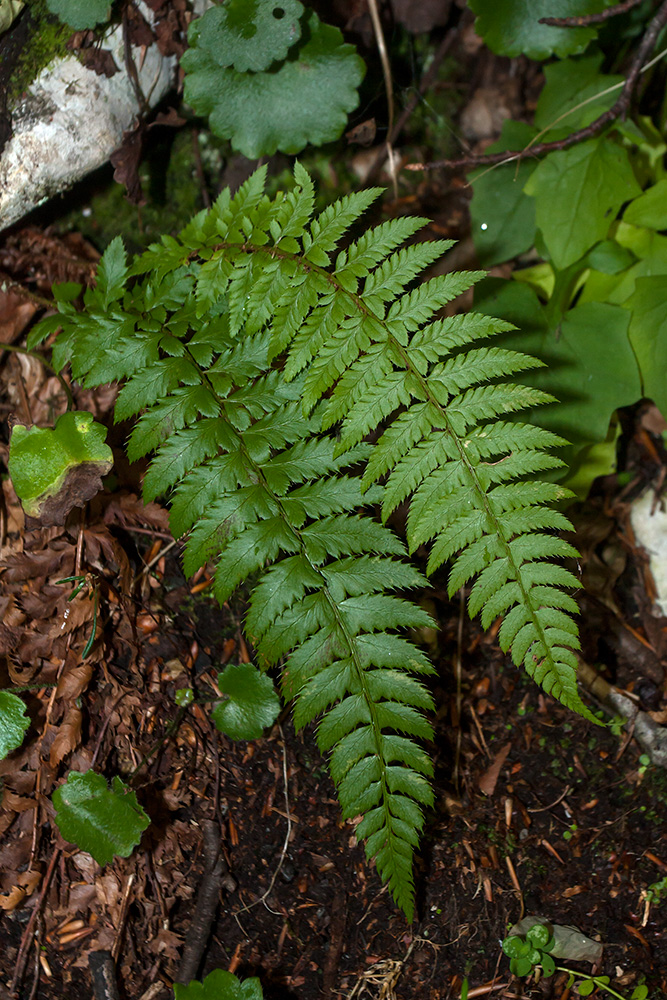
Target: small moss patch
{"points": [[46, 40]]}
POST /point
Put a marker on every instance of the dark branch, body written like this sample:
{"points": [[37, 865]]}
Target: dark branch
{"points": [[585, 19], [208, 892], [618, 110]]}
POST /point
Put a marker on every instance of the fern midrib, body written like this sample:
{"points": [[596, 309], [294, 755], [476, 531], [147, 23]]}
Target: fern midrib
{"points": [[358, 301], [349, 639]]}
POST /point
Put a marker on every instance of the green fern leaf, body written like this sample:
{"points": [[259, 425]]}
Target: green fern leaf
{"points": [[261, 372]]}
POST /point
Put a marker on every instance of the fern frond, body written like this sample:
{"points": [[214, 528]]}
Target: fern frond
{"points": [[260, 369]]}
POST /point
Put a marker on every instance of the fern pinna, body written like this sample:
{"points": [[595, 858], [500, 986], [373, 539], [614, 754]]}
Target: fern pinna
{"points": [[260, 365]]}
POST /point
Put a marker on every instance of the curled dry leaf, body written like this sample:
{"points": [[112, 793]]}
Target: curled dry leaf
{"points": [[67, 737], [25, 884], [74, 681]]}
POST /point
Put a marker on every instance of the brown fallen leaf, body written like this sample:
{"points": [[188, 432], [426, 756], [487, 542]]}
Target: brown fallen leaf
{"points": [[67, 737], [487, 782], [25, 884]]}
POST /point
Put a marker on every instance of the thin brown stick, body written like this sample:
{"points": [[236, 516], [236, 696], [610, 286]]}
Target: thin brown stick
{"points": [[28, 933], [618, 110], [8, 284], [585, 19], [389, 86]]}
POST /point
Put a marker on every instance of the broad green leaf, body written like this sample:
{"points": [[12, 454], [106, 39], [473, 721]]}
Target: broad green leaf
{"points": [[565, 101], [590, 366], [252, 703], [100, 820], [651, 249], [610, 257], [648, 336], [650, 208], [502, 215], [219, 985], [573, 208], [56, 469], [513, 28], [80, 14], [305, 100], [13, 722], [248, 34]]}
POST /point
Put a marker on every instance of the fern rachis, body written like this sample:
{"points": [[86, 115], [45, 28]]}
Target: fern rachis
{"points": [[260, 371]]}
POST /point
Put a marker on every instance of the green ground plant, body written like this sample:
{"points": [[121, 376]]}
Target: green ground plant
{"points": [[588, 294], [258, 357], [532, 952]]}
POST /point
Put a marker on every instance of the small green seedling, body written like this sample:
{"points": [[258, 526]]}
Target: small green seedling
{"points": [[84, 581], [532, 950]]}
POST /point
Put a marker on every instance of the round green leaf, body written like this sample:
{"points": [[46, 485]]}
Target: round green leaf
{"points": [[548, 965], [520, 966], [248, 34], [640, 992], [252, 704], [100, 820], [538, 935], [306, 100], [80, 14], [585, 988], [13, 722], [46, 464], [513, 27], [515, 946]]}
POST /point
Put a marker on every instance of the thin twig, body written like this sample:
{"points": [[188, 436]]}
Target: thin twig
{"points": [[618, 110], [8, 284], [586, 19], [388, 85], [28, 933], [427, 81], [283, 853]]}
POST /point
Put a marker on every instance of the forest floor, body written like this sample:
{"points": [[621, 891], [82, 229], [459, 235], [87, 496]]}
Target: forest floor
{"points": [[538, 812]]}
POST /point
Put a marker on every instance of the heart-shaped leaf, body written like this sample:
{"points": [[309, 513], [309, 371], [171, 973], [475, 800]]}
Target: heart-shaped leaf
{"points": [[252, 702]]}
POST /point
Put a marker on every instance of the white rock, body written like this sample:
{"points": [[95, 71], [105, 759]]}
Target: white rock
{"points": [[650, 530], [71, 120]]}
